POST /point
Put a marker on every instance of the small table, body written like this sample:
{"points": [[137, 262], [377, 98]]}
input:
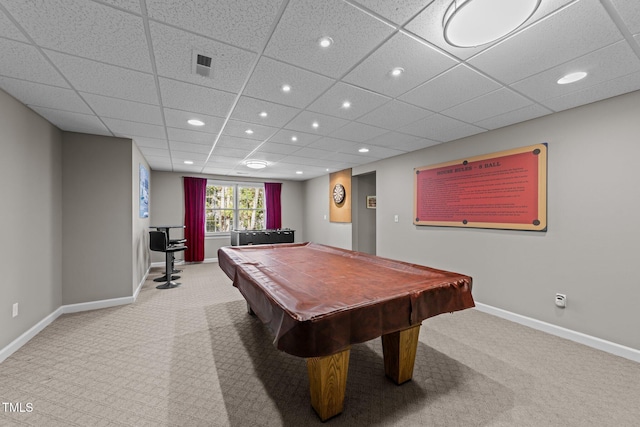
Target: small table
{"points": [[319, 300]]}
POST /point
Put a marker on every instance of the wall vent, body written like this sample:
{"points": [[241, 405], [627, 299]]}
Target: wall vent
{"points": [[202, 65]]}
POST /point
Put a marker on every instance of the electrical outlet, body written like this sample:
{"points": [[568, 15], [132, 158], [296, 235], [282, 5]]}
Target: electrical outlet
{"points": [[561, 300], [15, 309], [395, 218]]}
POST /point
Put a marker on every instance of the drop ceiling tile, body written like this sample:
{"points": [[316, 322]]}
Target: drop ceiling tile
{"points": [[276, 148], [393, 139], [23, 61], [429, 25], [362, 101], [187, 147], [176, 51], [217, 169], [157, 153], [231, 152], [9, 30], [235, 142], [304, 22], [358, 132], [239, 129], [351, 159], [268, 157], [130, 5], [178, 119], [377, 153], [630, 14], [604, 64], [122, 109], [492, 104], [296, 162], [198, 159], [73, 122], [248, 110], [397, 11], [269, 76], [286, 136], [515, 116], [440, 128], [192, 136], [326, 124], [453, 87], [198, 99], [333, 144], [394, 114], [224, 161], [113, 81], [86, 29], [419, 61], [35, 94], [127, 129], [312, 153], [242, 23], [549, 42], [150, 142], [624, 84]]}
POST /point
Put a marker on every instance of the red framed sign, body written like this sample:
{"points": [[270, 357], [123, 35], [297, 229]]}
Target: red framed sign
{"points": [[506, 190]]}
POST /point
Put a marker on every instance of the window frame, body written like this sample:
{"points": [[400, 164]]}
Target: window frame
{"points": [[236, 209]]}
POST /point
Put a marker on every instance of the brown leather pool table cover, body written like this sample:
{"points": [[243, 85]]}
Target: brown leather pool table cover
{"points": [[318, 300]]}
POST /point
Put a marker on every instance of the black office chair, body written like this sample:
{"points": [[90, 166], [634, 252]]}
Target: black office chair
{"points": [[158, 242]]}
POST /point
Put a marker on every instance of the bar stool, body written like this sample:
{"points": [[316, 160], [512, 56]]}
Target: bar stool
{"points": [[158, 242]]}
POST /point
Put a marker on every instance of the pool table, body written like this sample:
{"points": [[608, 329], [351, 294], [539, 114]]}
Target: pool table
{"points": [[318, 300]]}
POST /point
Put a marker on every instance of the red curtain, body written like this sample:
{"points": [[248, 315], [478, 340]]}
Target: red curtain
{"points": [[195, 190], [272, 199]]}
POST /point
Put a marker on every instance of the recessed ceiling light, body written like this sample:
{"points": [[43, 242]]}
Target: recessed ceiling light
{"points": [[471, 23], [346, 104], [299, 172], [294, 138], [256, 164], [315, 125], [248, 132], [573, 77], [286, 88], [364, 150], [188, 162], [263, 114], [195, 122], [397, 71], [325, 41]]}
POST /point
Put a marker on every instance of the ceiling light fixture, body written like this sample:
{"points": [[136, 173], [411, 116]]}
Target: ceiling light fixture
{"points": [[195, 122], [299, 172], [286, 88], [364, 150], [188, 162], [472, 23], [325, 42], [315, 125], [263, 114], [255, 164], [248, 132], [346, 104], [572, 78], [294, 138], [397, 71]]}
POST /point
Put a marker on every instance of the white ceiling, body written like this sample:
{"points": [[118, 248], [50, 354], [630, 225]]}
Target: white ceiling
{"points": [[126, 68]]}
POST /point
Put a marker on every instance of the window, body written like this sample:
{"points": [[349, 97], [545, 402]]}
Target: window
{"points": [[230, 206]]}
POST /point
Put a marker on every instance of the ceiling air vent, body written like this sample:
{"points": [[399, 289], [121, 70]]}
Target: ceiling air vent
{"points": [[203, 65]]}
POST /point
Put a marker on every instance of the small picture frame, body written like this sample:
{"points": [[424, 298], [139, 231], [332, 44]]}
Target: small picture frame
{"points": [[371, 202]]}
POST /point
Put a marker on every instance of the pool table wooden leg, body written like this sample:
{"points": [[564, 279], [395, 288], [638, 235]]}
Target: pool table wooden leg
{"points": [[399, 349], [328, 382]]}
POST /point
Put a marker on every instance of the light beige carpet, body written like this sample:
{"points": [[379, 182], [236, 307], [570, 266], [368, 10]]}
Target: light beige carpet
{"points": [[193, 356]]}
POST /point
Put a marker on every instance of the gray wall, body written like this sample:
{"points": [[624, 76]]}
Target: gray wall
{"points": [[317, 226], [364, 219], [31, 215], [167, 208], [590, 250], [97, 218]]}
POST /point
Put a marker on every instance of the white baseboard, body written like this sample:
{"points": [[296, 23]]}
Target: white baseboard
{"points": [[579, 337], [181, 262], [24, 338], [65, 309]]}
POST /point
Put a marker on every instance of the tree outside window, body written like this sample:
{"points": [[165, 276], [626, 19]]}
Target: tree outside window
{"points": [[234, 206]]}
